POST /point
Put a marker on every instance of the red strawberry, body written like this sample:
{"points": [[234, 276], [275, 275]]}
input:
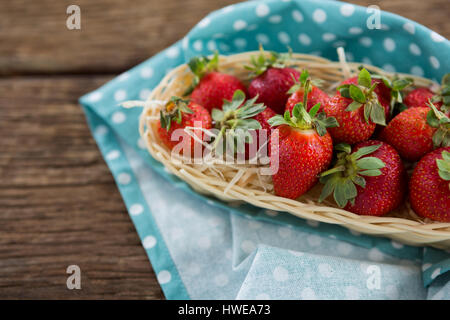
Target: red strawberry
{"points": [[419, 98], [415, 131], [179, 114], [301, 148], [368, 179], [272, 81], [429, 188], [210, 87], [262, 137], [315, 95], [356, 109]]}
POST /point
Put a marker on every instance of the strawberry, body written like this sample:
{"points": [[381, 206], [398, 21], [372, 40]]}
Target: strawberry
{"points": [[415, 131], [357, 110], [272, 80], [418, 97], [315, 95], [368, 179], [209, 87], [301, 148], [179, 114], [429, 192], [262, 137]]}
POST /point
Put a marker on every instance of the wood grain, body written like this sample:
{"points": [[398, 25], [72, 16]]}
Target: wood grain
{"points": [[58, 202]]}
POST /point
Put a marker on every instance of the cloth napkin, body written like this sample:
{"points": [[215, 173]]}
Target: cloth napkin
{"points": [[202, 248]]}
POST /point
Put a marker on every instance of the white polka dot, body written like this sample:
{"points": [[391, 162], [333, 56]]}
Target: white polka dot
{"points": [[193, 269], [228, 9], [118, 117], [149, 242], [144, 94], [304, 39], [173, 52], [262, 296], [239, 25], [101, 130], [351, 293], [365, 41], [328, 37], [141, 143], [409, 27], [95, 96], [271, 213], [280, 274], [375, 255], [204, 242], [221, 280], [437, 37], [254, 224], [435, 62], [319, 16], [112, 155], [389, 67], [198, 45], [308, 294], [414, 49], [325, 270], [366, 60], [355, 30], [204, 23], [389, 44], [284, 232], [247, 246], [436, 273], [124, 178], [392, 292], [344, 248], [164, 277], [297, 16], [120, 95], [397, 245], [426, 266], [313, 223], [185, 43], [211, 45], [296, 253], [262, 38], [385, 27], [262, 10], [275, 19], [314, 241], [240, 42], [347, 10], [136, 209], [284, 37], [147, 72], [176, 233], [418, 71], [124, 76]]}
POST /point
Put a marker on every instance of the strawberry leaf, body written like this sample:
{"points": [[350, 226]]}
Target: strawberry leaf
{"points": [[356, 94], [370, 163], [371, 173], [353, 106], [364, 78]]}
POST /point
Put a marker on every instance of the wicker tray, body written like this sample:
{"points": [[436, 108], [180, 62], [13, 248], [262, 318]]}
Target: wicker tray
{"points": [[242, 183]]}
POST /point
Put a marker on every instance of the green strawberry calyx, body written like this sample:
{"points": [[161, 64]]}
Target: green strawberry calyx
{"points": [[444, 94], [303, 119], [173, 111], [363, 94], [444, 166], [200, 66], [262, 62], [235, 120], [349, 171], [438, 119], [299, 84]]}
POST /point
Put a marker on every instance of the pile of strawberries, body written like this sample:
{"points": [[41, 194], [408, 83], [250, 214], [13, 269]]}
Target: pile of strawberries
{"points": [[356, 143]]}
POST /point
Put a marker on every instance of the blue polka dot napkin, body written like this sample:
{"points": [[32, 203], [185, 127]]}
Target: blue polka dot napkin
{"points": [[201, 248]]}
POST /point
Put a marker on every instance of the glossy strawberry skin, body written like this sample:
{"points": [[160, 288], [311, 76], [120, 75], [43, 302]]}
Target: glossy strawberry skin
{"points": [[272, 87], [385, 192], [315, 96], [200, 114], [410, 134], [214, 87], [419, 98], [353, 127], [301, 156], [429, 194]]}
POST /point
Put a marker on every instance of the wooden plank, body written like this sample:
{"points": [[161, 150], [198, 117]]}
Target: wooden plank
{"points": [[59, 203], [116, 35]]}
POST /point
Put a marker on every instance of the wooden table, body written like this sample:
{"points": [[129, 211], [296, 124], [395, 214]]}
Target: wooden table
{"points": [[58, 202]]}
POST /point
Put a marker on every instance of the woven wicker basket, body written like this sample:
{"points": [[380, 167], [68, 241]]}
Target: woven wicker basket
{"points": [[242, 183]]}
